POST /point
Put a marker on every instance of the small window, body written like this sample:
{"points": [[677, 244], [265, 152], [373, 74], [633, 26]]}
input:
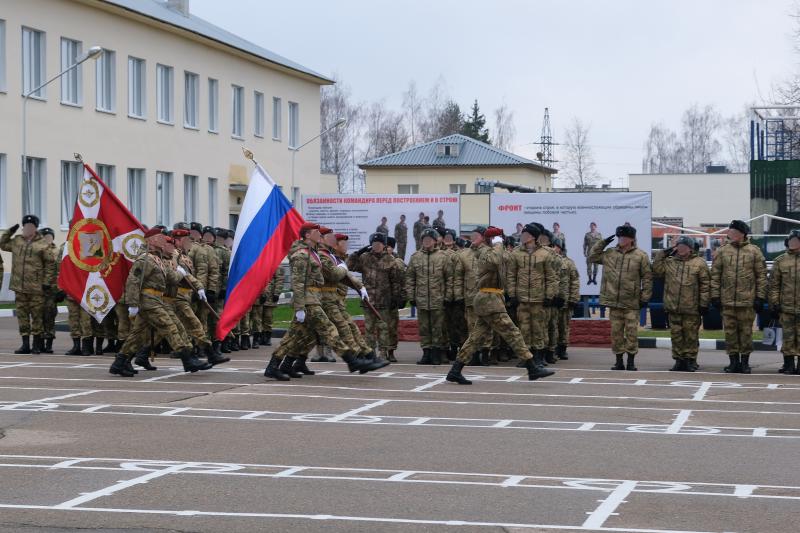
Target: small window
{"points": [[238, 111], [276, 119], [70, 172], [258, 99], [33, 62], [164, 198], [136, 192], [213, 105], [107, 173], [447, 150], [458, 188], [105, 70], [71, 81], [212, 201], [294, 124], [408, 189], [165, 94], [2, 57], [33, 188], [190, 197], [191, 102], [137, 87]]}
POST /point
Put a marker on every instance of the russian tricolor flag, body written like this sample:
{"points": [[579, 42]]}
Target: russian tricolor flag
{"points": [[268, 225]]}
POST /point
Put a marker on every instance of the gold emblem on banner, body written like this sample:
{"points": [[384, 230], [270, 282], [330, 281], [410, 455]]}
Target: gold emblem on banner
{"points": [[132, 246], [90, 193], [97, 299], [90, 246]]}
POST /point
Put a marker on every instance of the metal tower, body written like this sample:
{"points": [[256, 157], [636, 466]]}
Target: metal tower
{"points": [[545, 155]]}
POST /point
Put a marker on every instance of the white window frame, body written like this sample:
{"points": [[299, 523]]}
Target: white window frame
{"points": [[70, 179], [106, 82], [2, 56], [33, 75], [72, 81], [191, 197], [165, 82], [258, 107], [136, 192], [33, 201], [164, 197], [107, 173], [294, 125], [213, 105], [408, 188], [3, 193], [213, 192], [137, 87], [237, 112], [277, 106], [458, 188], [191, 100]]}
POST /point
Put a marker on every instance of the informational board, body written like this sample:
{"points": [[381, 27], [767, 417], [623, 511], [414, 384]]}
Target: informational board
{"points": [[575, 212], [359, 216]]}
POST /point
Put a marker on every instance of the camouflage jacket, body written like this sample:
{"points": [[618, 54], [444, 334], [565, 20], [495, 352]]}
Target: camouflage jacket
{"points": [[188, 284], [589, 240], [784, 283], [54, 251], [224, 262], [147, 281], [571, 279], [627, 276], [687, 284], [401, 232], [334, 276], [206, 265], [532, 275], [273, 288], [380, 277], [490, 277], [465, 282], [307, 276], [739, 274], [451, 256], [32, 263], [426, 278]]}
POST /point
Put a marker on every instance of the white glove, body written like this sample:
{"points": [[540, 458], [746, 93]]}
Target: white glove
{"points": [[363, 293], [133, 311], [497, 240], [181, 271], [201, 293], [343, 267], [300, 316]]}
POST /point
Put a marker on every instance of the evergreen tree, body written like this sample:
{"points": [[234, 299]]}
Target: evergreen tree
{"points": [[474, 125]]}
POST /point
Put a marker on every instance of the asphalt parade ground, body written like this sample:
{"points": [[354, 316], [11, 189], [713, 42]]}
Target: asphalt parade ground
{"points": [[397, 450]]}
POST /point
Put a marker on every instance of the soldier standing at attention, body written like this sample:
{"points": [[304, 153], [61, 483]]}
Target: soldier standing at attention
{"points": [[51, 296], [784, 282], [591, 238], [426, 279], [687, 286], [571, 280], [419, 227], [32, 266], [626, 288], [383, 227], [401, 237], [739, 289], [398, 303]]}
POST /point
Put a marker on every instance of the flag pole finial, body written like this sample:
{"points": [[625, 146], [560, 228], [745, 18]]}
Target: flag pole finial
{"points": [[78, 157], [248, 155]]}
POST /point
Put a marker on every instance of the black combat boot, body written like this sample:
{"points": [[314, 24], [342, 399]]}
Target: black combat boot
{"points": [[745, 368], [677, 367], [562, 352], [455, 375], [797, 367], [549, 357], [390, 357], [363, 365], [244, 342], [76, 347], [233, 344], [214, 356], [190, 361], [256, 339], [225, 348], [476, 359], [452, 353], [87, 346], [129, 367], [485, 357], [630, 365], [266, 338], [619, 365], [38, 345], [689, 365], [788, 363], [493, 354], [436, 356], [503, 356], [287, 367], [426, 357], [142, 359], [736, 364], [111, 347], [301, 366], [118, 367], [48, 345], [536, 371], [273, 370], [98, 345]]}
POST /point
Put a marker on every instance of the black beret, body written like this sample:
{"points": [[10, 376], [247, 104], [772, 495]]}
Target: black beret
{"points": [[795, 233], [209, 229], [30, 219], [196, 226]]}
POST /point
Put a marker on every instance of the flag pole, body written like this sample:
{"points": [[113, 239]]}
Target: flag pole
{"points": [[249, 155]]}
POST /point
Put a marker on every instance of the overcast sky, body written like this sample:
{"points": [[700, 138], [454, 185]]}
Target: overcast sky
{"points": [[619, 65]]}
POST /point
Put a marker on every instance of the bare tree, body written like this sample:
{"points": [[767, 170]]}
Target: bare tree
{"points": [[699, 137], [434, 109], [337, 146], [385, 131], [579, 167], [412, 106], [662, 151], [504, 130], [736, 138]]}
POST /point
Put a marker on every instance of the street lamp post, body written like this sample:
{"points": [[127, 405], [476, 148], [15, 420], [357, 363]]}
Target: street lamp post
{"points": [[340, 122], [93, 53]]}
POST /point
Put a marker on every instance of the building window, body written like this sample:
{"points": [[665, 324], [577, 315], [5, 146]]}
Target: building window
{"points": [[191, 102], [213, 105], [107, 173], [164, 198], [2, 56], [447, 150], [32, 190], [71, 81], [408, 189], [70, 173], [294, 124], [190, 197], [3, 194], [165, 94], [259, 118], [238, 111], [106, 81], [276, 118], [212, 201], [136, 192], [137, 87], [458, 188], [33, 62]]}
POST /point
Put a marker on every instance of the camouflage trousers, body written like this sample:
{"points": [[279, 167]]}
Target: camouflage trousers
{"points": [[302, 337], [49, 313], [201, 312], [791, 334], [341, 321], [80, 322], [738, 325], [364, 347], [471, 317], [29, 313], [191, 324], [163, 322], [431, 332], [211, 321], [591, 269], [552, 328], [123, 321], [243, 327], [564, 319], [455, 318], [377, 331], [392, 318], [500, 324], [624, 330], [684, 330], [106, 329], [532, 323], [267, 319], [256, 313], [401, 250]]}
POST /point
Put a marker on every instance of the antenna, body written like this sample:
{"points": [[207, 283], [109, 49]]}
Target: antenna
{"points": [[545, 155]]}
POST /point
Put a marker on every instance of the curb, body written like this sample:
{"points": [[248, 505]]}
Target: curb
{"points": [[705, 344]]}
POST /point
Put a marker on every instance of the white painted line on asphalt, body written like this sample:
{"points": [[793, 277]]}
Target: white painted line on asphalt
{"points": [[159, 378], [588, 426], [95, 408], [512, 481], [640, 382], [608, 506], [744, 491], [702, 391], [679, 422], [354, 412], [174, 411], [290, 471], [13, 406], [419, 421], [429, 385], [14, 365], [502, 423], [575, 380], [513, 378], [400, 476], [759, 432]]}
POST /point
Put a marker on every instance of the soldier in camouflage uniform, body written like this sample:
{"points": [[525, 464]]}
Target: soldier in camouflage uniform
{"points": [[571, 280], [79, 321], [271, 295], [32, 269], [380, 278], [590, 239], [144, 289], [309, 318], [341, 251], [626, 288], [50, 308], [454, 322], [739, 289], [224, 259], [204, 259], [491, 313], [401, 238], [554, 305], [394, 313], [784, 288], [532, 284], [426, 286]]}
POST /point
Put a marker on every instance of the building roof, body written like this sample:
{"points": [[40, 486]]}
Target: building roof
{"points": [[158, 10], [471, 153]]}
